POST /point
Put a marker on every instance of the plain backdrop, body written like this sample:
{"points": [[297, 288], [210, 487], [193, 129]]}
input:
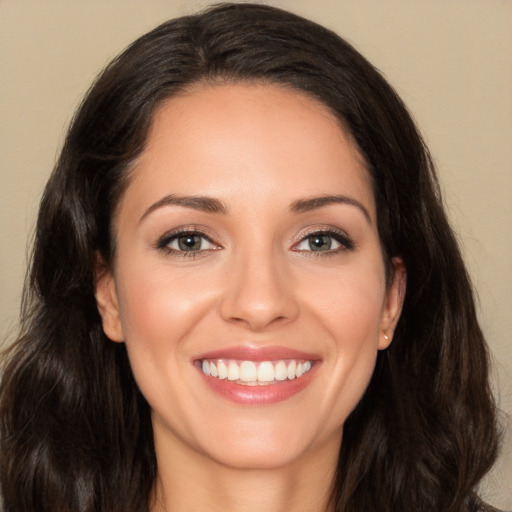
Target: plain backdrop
{"points": [[450, 60]]}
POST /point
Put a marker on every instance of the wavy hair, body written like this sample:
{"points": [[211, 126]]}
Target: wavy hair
{"points": [[75, 431]]}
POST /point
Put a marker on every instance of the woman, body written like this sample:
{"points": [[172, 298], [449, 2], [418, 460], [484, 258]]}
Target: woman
{"points": [[245, 294]]}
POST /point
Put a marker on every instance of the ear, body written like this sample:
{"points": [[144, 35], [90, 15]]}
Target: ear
{"points": [[108, 305], [393, 303]]}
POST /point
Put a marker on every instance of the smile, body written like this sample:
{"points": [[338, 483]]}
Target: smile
{"points": [[250, 375], [259, 373]]}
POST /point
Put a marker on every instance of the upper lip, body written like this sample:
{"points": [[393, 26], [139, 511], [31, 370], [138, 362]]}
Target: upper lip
{"points": [[257, 353]]}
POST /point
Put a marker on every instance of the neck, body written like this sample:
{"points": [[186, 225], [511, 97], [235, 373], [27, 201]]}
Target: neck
{"points": [[198, 483]]}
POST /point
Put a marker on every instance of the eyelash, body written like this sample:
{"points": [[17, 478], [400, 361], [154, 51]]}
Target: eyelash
{"points": [[346, 243], [166, 240]]}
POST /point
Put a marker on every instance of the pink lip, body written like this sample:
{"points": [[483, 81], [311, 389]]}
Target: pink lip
{"points": [[258, 395], [255, 353]]}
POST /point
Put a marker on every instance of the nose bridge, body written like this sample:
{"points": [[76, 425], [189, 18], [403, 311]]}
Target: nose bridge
{"points": [[259, 291]]}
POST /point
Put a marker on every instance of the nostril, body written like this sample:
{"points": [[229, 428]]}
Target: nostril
{"points": [[258, 295]]}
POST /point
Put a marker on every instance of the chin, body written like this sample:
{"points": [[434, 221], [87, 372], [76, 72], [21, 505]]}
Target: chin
{"points": [[263, 444], [265, 456]]}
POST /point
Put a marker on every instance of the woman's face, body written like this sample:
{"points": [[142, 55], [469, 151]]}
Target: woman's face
{"points": [[249, 283]]}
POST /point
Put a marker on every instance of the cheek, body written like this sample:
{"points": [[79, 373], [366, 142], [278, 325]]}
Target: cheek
{"points": [[159, 312], [155, 305], [348, 309], [354, 324], [348, 302]]}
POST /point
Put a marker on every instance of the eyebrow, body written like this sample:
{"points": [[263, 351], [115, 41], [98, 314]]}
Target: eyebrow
{"points": [[212, 205], [306, 205], [205, 204]]}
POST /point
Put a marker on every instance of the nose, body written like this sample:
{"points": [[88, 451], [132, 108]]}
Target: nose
{"points": [[259, 293]]}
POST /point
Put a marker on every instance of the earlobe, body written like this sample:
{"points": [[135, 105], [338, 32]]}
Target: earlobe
{"points": [[108, 306], [394, 302]]}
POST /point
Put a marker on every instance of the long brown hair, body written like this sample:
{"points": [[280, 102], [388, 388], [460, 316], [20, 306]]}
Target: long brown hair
{"points": [[76, 432]]}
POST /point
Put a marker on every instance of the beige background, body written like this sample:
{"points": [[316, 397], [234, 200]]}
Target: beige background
{"points": [[450, 60]]}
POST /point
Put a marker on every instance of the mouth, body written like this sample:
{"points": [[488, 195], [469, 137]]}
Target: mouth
{"points": [[255, 373]]}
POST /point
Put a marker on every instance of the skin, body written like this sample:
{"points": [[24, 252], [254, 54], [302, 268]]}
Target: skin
{"points": [[257, 149]]}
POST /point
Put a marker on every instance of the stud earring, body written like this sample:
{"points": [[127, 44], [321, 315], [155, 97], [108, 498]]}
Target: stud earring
{"points": [[386, 337]]}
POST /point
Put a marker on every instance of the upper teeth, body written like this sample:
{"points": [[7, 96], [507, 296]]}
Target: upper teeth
{"points": [[249, 372]]}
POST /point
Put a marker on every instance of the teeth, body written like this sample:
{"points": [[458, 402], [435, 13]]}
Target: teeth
{"points": [[222, 369], [266, 372], [252, 374], [248, 371], [233, 371], [291, 370], [281, 371]]}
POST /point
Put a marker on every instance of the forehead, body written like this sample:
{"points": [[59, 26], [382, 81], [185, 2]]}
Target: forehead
{"points": [[252, 140]]}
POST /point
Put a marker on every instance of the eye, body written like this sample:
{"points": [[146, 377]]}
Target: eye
{"points": [[187, 242], [324, 241]]}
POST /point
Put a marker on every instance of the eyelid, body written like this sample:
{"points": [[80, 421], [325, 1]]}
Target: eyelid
{"points": [[343, 238], [340, 236], [168, 237]]}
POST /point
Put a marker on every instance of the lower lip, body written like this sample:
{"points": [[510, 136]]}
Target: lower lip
{"points": [[259, 395]]}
